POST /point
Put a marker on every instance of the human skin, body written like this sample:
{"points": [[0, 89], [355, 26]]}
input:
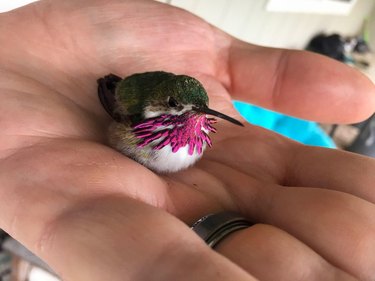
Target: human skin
{"points": [[93, 214]]}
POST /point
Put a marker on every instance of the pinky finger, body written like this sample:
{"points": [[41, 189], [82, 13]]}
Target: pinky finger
{"points": [[269, 253]]}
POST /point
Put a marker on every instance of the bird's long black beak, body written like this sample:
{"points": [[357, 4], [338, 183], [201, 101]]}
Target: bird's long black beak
{"points": [[210, 111]]}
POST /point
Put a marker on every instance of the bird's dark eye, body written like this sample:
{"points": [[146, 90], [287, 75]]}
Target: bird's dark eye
{"points": [[172, 102]]}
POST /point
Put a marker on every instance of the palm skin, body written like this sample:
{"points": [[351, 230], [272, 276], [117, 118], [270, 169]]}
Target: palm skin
{"points": [[65, 190]]}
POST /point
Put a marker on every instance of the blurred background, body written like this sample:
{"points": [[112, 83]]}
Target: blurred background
{"points": [[341, 29]]}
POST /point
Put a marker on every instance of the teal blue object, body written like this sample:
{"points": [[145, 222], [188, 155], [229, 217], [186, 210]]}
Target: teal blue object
{"points": [[303, 131]]}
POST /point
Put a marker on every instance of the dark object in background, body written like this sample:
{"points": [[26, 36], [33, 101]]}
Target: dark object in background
{"points": [[341, 48], [5, 260], [361, 46], [329, 45], [365, 141], [3, 235]]}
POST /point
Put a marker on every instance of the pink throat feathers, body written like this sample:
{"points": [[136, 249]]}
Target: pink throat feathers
{"points": [[176, 130]]}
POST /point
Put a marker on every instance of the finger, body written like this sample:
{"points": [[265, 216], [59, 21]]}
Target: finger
{"points": [[292, 164], [335, 169], [300, 83], [269, 253], [338, 226]]}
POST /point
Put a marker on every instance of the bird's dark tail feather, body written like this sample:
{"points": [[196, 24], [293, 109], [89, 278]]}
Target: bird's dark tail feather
{"points": [[106, 92]]}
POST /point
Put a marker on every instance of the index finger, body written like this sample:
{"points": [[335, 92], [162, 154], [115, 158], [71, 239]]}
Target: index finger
{"points": [[300, 83]]}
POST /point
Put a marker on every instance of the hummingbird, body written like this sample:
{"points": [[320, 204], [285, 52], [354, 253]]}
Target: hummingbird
{"points": [[159, 118]]}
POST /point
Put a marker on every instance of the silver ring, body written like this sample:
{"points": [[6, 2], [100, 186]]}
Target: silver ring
{"points": [[213, 228]]}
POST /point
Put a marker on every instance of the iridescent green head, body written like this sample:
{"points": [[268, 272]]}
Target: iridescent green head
{"points": [[183, 88], [151, 94], [176, 95]]}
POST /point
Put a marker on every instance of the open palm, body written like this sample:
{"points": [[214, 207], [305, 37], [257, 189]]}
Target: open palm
{"points": [[63, 188]]}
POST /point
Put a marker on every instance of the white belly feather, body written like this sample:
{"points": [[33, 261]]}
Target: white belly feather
{"points": [[159, 160], [167, 161]]}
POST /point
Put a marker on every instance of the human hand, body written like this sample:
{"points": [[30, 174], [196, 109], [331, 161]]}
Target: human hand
{"points": [[93, 214]]}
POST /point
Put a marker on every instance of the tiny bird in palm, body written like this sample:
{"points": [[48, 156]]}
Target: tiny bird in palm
{"points": [[160, 119]]}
